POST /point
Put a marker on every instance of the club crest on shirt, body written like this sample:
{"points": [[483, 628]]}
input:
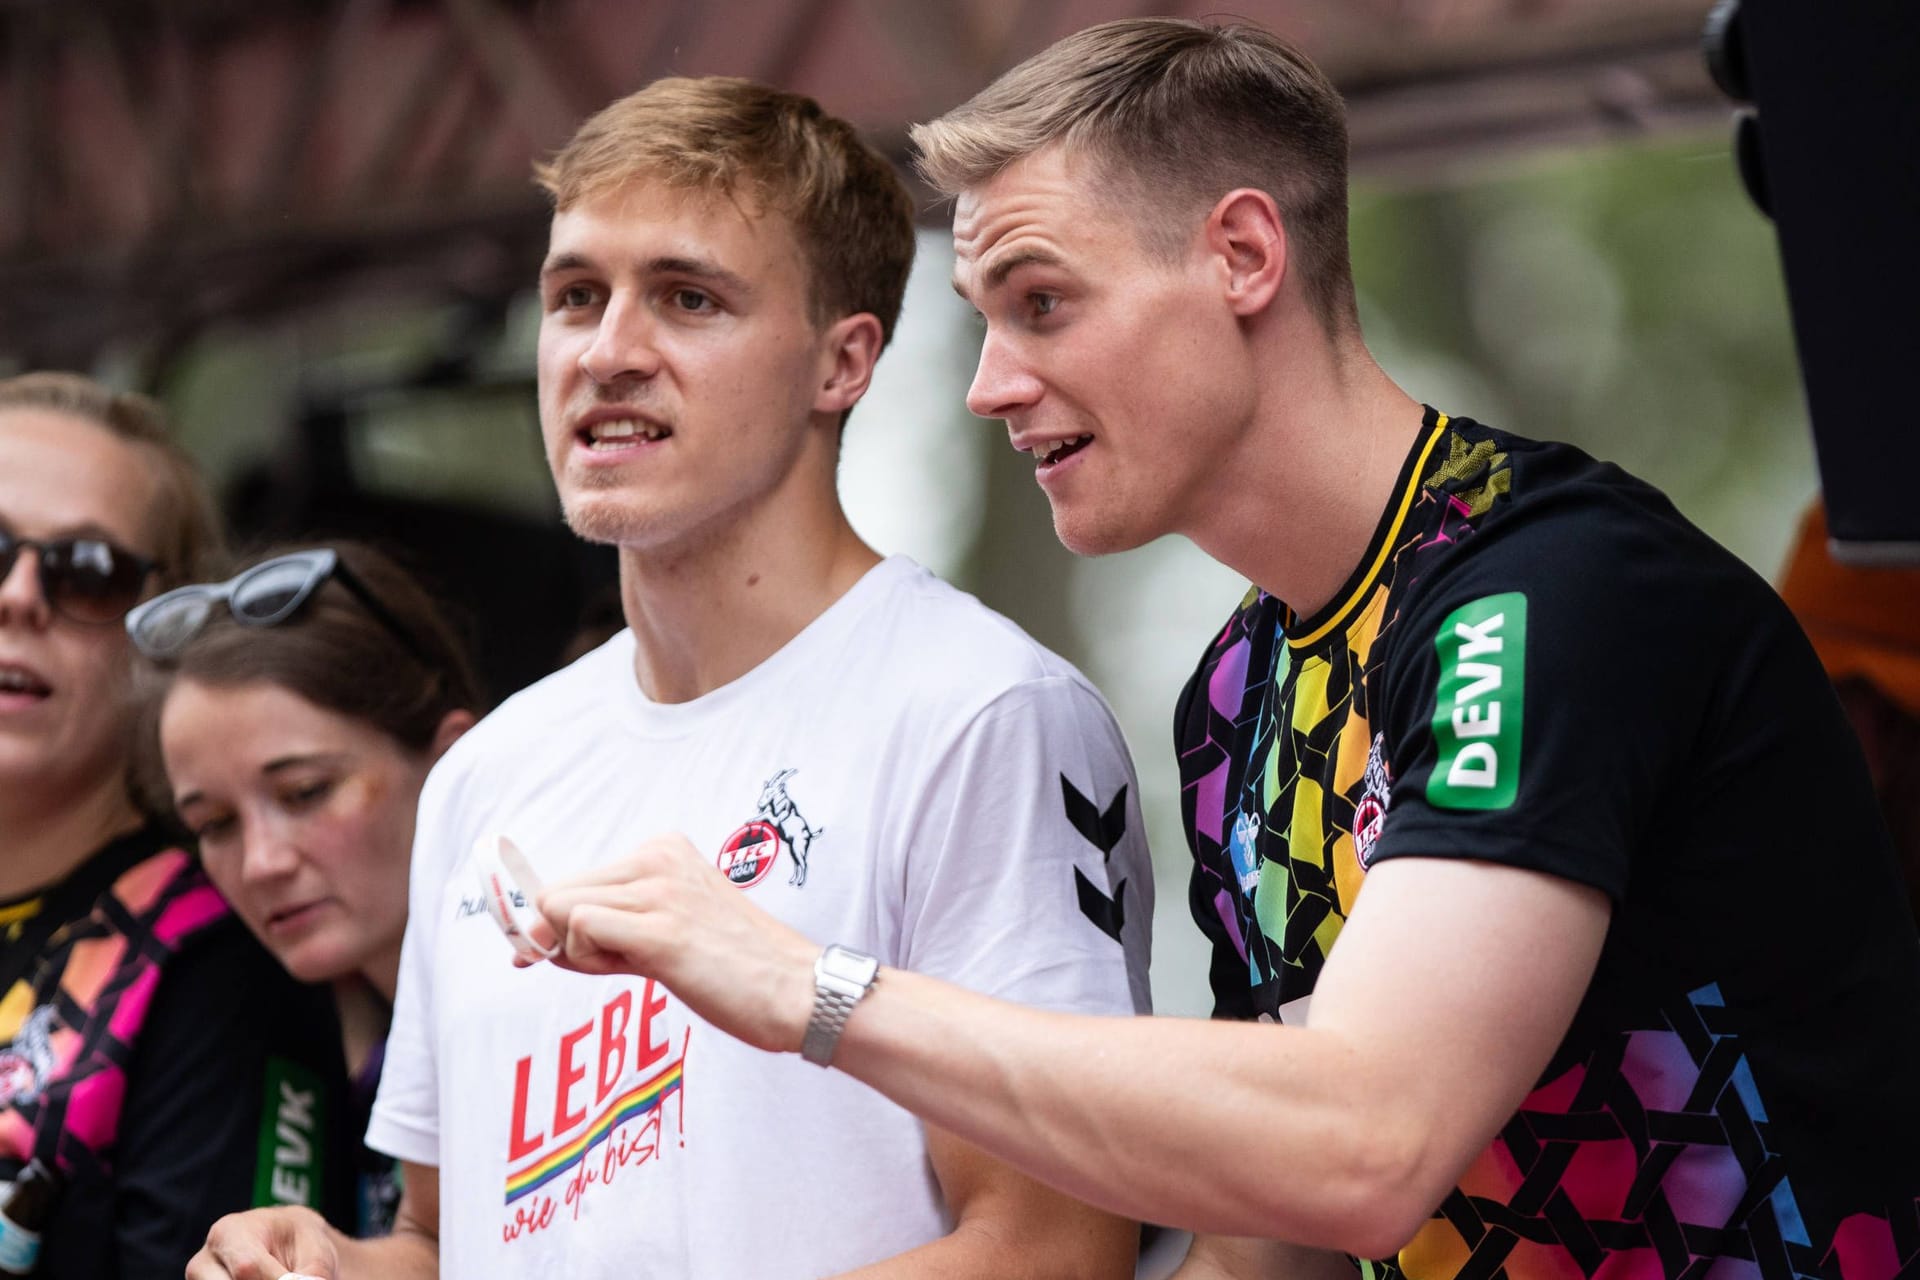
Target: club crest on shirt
{"points": [[750, 852], [1376, 794]]}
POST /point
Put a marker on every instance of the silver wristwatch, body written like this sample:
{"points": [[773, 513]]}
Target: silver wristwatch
{"points": [[840, 977]]}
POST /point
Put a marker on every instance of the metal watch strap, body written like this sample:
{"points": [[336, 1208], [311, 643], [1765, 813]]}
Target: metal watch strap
{"points": [[841, 976]]}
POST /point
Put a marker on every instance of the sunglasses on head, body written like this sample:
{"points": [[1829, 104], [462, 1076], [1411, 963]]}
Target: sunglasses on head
{"points": [[264, 596], [82, 579]]}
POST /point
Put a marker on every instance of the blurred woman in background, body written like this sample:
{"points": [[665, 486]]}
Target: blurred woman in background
{"points": [[305, 700], [157, 1069]]}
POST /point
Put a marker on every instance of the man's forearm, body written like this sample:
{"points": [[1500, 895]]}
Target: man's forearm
{"points": [[973, 1250], [404, 1255], [1453, 985], [1263, 1121]]}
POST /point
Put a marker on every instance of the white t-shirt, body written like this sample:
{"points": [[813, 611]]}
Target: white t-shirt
{"points": [[911, 776]]}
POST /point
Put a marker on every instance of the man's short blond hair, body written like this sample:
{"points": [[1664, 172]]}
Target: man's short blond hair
{"points": [[1175, 114], [772, 150]]}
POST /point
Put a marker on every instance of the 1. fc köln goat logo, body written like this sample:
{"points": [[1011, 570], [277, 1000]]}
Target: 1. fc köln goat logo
{"points": [[749, 853]]}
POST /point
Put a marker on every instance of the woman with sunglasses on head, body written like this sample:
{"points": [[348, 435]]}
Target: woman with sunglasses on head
{"points": [[306, 698], [157, 1068]]}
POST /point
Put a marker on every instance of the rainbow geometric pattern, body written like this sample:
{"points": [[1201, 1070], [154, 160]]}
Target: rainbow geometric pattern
{"points": [[1649, 1157], [1648, 1161]]}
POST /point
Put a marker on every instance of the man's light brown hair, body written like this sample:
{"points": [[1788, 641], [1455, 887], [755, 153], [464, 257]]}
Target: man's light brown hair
{"points": [[777, 152], [1174, 114], [186, 526]]}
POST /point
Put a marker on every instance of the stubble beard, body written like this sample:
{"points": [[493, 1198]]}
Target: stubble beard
{"points": [[592, 508], [1104, 528], [602, 522]]}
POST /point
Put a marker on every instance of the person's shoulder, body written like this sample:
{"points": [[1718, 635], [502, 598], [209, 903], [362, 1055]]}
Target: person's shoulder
{"points": [[1600, 557], [223, 982], [934, 641], [1482, 476], [1508, 508], [565, 700]]}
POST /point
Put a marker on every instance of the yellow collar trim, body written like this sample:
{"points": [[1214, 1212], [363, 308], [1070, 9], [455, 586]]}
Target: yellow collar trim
{"points": [[1387, 544]]}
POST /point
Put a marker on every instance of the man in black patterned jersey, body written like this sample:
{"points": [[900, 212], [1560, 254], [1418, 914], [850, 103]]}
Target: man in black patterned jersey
{"points": [[1630, 991]]}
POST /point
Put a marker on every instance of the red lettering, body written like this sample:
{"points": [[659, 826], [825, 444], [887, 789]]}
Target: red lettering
{"points": [[650, 1005], [521, 1144], [613, 1044], [527, 1220], [577, 1187], [570, 1075], [625, 1147]]}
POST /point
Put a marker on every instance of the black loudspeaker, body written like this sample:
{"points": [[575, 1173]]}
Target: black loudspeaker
{"points": [[1831, 151]]}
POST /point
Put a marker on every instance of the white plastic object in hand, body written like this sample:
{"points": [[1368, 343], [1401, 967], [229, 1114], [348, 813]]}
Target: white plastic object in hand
{"points": [[509, 885]]}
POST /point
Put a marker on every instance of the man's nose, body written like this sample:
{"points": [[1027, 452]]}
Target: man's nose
{"points": [[1001, 384], [625, 345]]}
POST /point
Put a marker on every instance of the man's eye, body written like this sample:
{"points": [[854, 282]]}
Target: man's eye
{"points": [[574, 296], [1043, 303], [692, 300]]}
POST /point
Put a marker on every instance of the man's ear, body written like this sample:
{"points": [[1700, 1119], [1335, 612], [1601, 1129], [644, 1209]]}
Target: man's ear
{"points": [[452, 725], [1245, 235], [849, 352]]}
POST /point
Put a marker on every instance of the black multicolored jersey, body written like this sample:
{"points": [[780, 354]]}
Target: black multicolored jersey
{"points": [[163, 1062], [1540, 663]]}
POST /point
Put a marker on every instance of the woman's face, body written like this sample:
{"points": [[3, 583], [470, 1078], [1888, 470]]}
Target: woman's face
{"points": [[64, 703], [305, 822]]}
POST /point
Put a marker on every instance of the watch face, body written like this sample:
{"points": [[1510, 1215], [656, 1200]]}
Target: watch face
{"points": [[844, 962]]}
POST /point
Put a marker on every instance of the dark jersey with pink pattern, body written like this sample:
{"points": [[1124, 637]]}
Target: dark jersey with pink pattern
{"points": [[156, 1056], [1540, 663]]}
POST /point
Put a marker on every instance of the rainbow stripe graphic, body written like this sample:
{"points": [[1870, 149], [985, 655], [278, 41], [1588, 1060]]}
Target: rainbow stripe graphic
{"points": [[637, 1101]]}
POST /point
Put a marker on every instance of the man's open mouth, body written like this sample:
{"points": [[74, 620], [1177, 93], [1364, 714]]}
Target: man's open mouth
{"points": [[620, 433], [1051, 452]]}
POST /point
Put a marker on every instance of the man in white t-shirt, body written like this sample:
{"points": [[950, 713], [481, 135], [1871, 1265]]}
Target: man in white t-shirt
{"points": [[875, 758]]}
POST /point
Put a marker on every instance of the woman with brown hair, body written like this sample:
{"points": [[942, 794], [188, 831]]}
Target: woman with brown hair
{"points": [[156, 1068], [306, 698]]}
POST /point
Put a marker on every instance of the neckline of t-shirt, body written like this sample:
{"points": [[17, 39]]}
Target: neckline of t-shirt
{"points": [[651, 719], [1304, 632]]}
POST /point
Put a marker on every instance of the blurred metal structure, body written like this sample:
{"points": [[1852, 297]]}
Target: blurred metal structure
{"points": [[164, 162]]}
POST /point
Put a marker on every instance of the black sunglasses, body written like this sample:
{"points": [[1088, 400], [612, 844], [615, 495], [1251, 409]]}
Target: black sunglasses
{"points": [[263, 596], [82, 579]]}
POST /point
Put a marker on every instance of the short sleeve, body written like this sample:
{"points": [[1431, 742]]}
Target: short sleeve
{"points": [[406, 1110], [236, 1097], [1026, 868], [1538, 699]]}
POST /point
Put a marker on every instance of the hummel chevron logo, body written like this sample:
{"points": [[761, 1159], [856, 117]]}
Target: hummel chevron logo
{"points": [[1103, 831]]}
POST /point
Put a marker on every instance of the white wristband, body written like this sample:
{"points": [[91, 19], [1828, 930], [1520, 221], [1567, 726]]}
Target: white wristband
{"points": [[509, 885]]}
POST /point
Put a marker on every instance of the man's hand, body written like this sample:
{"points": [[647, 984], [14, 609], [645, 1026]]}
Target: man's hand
{"points": [[266, 1244], [667, 913]]}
